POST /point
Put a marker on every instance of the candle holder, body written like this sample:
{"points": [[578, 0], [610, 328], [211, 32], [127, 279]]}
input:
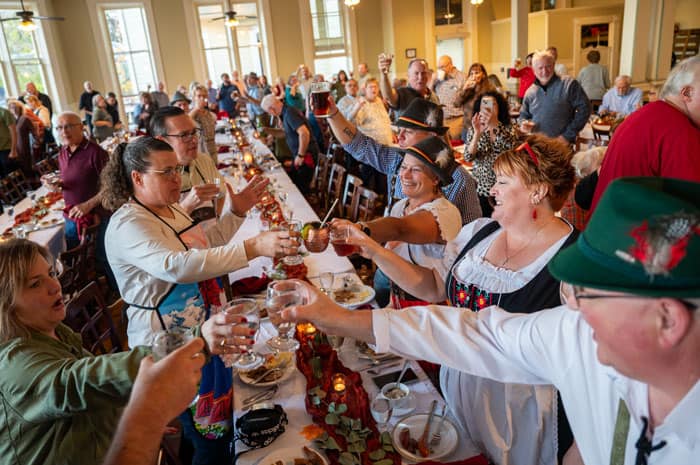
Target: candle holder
{"points": [[339, 384], [307, 332]]}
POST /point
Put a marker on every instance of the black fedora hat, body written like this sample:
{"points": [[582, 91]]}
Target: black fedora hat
{"points": [[424, 115], [437, 155]]}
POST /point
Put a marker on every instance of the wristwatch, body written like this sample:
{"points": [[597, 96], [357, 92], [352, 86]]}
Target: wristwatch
{"points": [[364, 228]]}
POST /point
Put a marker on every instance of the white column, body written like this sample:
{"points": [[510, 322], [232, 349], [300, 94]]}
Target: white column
{"points": [[519, 10]]}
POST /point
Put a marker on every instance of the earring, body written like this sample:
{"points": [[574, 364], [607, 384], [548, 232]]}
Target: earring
{"points": [[534, 214], [535, 202]]}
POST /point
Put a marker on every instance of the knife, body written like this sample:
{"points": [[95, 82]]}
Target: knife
{"points": [[423, 448]]}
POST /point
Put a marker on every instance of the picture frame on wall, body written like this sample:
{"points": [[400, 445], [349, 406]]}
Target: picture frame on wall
{"points": [[410, 53]]}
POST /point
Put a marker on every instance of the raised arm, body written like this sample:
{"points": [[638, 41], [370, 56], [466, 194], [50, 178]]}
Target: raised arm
{"points": [[417, 228], [422, 282], [388, 92]]}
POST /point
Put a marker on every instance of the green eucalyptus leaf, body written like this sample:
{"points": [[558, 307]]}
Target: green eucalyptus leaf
{"points": [[353, 437], [341, 408], [332, 419], [377, 454], [346, 458], [384, 462], [357, 447], [330, 444], [315, 363]]}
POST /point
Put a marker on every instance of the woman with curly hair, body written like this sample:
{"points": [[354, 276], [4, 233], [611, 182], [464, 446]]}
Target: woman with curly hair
{"points": [[501, 261], [477, 83], [490, 134]]}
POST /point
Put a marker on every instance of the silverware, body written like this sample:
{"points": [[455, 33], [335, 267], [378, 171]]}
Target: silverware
{"points": [[437, 436], [379, 366], [423, 448], [380, 369], [260, 396], [406, 365]]}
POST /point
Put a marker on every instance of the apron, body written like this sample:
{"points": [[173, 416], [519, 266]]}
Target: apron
{"points": [[203, 213], [189, 305]]}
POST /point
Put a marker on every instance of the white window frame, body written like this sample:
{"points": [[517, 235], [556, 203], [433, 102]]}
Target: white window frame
{"points": [[307, 34], [105, 54], [13, 88], [194, 31]]}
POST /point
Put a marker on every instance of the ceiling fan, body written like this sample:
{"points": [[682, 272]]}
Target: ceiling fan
{"points": [[27, 17], [232, 19]]}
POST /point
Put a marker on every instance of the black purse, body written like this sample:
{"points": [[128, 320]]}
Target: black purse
{"points": [[260, 426]]}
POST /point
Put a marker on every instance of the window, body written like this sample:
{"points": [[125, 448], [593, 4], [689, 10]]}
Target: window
{"points": [[330, 49], [131, 53], [247, 39], [23, 60], [540, 5], [448, 12], [215, 41]]}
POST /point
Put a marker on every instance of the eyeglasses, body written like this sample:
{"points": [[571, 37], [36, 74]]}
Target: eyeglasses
{"points": [[578, 294], [67, 127], [169, 172], [187, 136]]}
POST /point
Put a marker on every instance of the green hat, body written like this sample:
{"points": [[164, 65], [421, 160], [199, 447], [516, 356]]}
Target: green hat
{"points": [[437, 155], [643, 239]]}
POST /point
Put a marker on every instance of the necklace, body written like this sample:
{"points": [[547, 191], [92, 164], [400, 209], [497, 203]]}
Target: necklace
{"points": [[505, 241]]}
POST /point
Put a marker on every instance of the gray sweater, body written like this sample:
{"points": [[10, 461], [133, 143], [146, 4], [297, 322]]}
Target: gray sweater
{"points": [[559, 108]]}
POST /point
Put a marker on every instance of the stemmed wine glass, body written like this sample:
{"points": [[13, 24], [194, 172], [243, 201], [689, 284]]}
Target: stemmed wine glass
{"points": [[382, 410], [248, 308], [280, 295]]}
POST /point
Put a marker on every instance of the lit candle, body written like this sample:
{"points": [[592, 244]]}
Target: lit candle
{"points": [[339, 383], [248, 158], [307, 328]]}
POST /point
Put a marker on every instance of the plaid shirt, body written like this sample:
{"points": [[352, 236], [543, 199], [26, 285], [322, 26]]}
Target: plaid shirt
{"points": [[447, 91], [387, 159]]}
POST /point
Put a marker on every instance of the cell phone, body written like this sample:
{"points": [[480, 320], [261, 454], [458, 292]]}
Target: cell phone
{"points": [[386, 378], [487, 103]]}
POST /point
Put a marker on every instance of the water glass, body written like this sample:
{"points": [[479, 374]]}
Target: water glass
{"points": [[326, 279], [381, 411], [248, 308], [280, 295], [217, 183], [335, 341], [169, 341]]}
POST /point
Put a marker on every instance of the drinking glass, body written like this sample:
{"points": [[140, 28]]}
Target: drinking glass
{"points": [[326, 279], [280, 295], [381, 411], [169, 341], [9, 209], [248, 308], [294, 228], [320, 91], [217, 183], [339, 238], [335, 341]]}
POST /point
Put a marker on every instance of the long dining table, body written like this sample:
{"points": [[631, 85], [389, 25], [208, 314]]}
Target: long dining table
{"points": [[291, 393], [52, 236]]}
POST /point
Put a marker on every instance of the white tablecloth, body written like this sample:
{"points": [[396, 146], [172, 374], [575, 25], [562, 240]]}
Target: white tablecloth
{"points": [[53, 238], [292, 392]]}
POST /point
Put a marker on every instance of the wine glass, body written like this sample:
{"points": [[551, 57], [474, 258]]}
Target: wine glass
{"points": [[294, 228], [382, 410], [248, 308], [9, 209], [280, 295]]}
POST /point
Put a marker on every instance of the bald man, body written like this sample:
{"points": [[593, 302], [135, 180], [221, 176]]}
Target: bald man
{"points": [[622, 99], [447, 82]]}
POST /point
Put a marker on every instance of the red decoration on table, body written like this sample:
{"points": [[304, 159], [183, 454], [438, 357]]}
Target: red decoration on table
{"points": [[355, 397], [478, 460], [251, 285]]}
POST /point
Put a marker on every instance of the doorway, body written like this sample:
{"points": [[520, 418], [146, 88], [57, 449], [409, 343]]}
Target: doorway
{"points": [[454, 48]]}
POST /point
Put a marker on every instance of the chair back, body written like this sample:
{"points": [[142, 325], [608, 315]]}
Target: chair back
{"points": [[367, 205], [347, 205], [601, 134], [76, 272], [88, 315], [335, 186], [44, 166], [9, 193], [21, 181]]}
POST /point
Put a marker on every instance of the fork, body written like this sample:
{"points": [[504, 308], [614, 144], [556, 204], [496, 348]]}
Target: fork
{"points": [[437, 437], [260, 396]]}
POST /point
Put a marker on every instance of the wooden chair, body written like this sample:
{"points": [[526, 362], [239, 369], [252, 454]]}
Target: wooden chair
{"points": [[347, 204], [88, 315], [366, 206], [75, 270], [44, 166], [21, 181], [601, 134], [319, 182], [9, 193], [335, 186]]}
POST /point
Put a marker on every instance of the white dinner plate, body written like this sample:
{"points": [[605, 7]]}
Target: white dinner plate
{"points": [[363, 295], [50, 223], [416, 424], [248, 379], [287, 455]]}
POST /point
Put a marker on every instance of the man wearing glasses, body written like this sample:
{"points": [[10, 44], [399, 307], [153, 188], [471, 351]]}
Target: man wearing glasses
{"points": [[624, 352], [203, 188], [80, 162]]}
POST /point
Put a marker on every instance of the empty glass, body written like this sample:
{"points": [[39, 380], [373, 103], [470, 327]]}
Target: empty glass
{"points": [[169, 341], [280, 295], [326, 279], [381, 411], [248, 308]]}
